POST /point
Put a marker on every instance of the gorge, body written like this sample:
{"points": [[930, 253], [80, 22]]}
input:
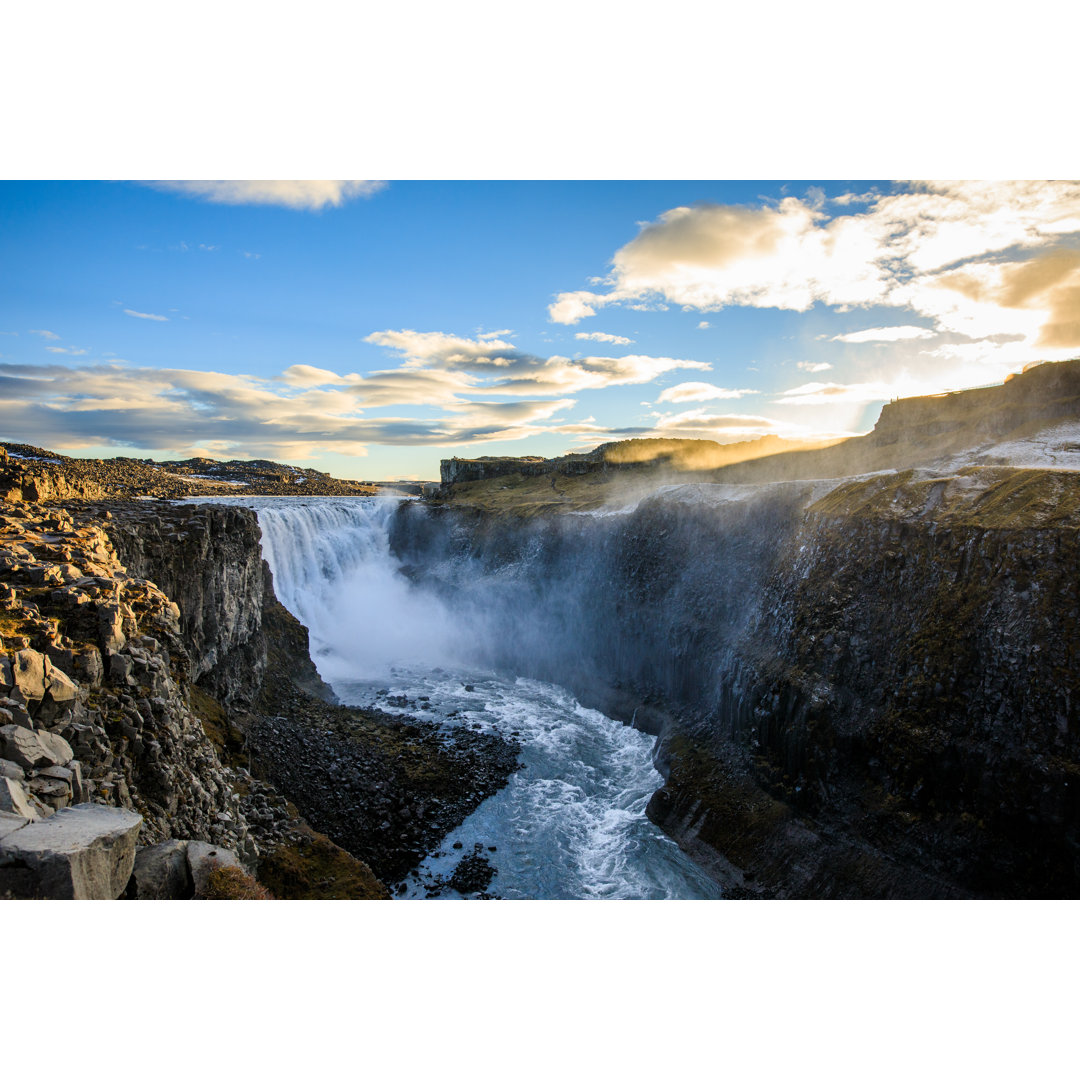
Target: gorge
{"points": [[848, 672]]}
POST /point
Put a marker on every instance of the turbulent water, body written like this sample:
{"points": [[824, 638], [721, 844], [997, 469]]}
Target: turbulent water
{"points": [[571, 823]]}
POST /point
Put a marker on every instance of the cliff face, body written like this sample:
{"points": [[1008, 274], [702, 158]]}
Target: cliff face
{"points": [[911, 676], [93, 676], [207, 559], [862, 690]]}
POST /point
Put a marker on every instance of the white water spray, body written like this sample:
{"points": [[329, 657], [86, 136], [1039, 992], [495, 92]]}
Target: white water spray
{"points": [[334, 571]]}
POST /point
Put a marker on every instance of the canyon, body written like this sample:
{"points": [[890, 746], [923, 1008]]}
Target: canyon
{"points": [[859, 663]]}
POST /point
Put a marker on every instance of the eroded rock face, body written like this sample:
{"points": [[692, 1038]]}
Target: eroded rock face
{"points": [[82, 853], [207, 559]]}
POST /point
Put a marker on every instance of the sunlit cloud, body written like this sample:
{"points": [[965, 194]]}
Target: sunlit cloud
{"points": [[48, 335], [699, 391], [292, 194], [66, 351], [813, 368], [989, 263], [572, 307], [187, 412], [501, 368], [612, 339], [145, 315], [885, 334]]}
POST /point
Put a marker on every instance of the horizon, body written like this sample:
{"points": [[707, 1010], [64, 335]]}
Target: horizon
{"points": [[369, 329]]}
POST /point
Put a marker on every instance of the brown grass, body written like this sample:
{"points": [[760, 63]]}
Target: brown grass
{"points": [[231, 883]]}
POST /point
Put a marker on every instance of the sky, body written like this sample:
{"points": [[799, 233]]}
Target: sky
{"points": [[371, 328]]}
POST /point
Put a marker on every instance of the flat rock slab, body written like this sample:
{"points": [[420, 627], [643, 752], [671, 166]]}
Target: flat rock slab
{"points": [[10, 823], [81, 853]]}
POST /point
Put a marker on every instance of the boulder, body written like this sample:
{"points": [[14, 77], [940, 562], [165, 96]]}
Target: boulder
{"points": [[22, 746], [58, 748], [55, 793], [89, 668], [81, 853], [11, 770], [161, 872], [28, 672], [15, 799], [120, 668], [203, 859], [7, 679], [60, 697], [112, 629], [19, 715]]}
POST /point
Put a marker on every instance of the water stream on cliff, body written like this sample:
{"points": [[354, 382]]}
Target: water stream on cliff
{"points": [[571, 823]]}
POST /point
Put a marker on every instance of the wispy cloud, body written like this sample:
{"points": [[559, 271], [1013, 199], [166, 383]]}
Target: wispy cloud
{"points": [[145, 315], [292, 194], [699, 391], [48, 335], [885, 334], [812, 368], [612, 339], [66, 351]]}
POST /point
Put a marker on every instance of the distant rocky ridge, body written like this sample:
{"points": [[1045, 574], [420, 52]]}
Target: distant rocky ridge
{"points": [[640, 455], [31, 474], [994, 425]]}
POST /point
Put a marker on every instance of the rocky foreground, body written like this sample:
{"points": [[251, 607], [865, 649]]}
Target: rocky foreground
{"points": [[156, 750]]}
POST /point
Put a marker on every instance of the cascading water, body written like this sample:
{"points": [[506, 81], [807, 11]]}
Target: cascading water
{"points": [[571, 823]]}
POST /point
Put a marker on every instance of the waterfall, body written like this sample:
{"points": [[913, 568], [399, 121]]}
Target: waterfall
{"points": [[571, 822], [333, 569]]}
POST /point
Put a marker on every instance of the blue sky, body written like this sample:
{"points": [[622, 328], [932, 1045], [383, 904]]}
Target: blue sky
{"points": [[371, 329]]}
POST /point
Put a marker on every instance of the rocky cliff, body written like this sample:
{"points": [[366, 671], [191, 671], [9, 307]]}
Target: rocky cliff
{"points": [[866, 688]]}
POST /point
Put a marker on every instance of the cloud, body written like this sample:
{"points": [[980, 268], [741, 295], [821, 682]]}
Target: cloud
{"points": [[812, 368], [1042, 290], [48, 335], [885, 334], [292, 194], [613, 339], [499, 367], [903, 384], [704, 324], [731, 427], [251, 255], [184, 411], [145, 315], [699, 391], [62, 349], [572, 307], [979, 259]]}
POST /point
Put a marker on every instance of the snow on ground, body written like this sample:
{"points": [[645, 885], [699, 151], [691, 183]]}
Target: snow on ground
{"points": [[1056, 447]]}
